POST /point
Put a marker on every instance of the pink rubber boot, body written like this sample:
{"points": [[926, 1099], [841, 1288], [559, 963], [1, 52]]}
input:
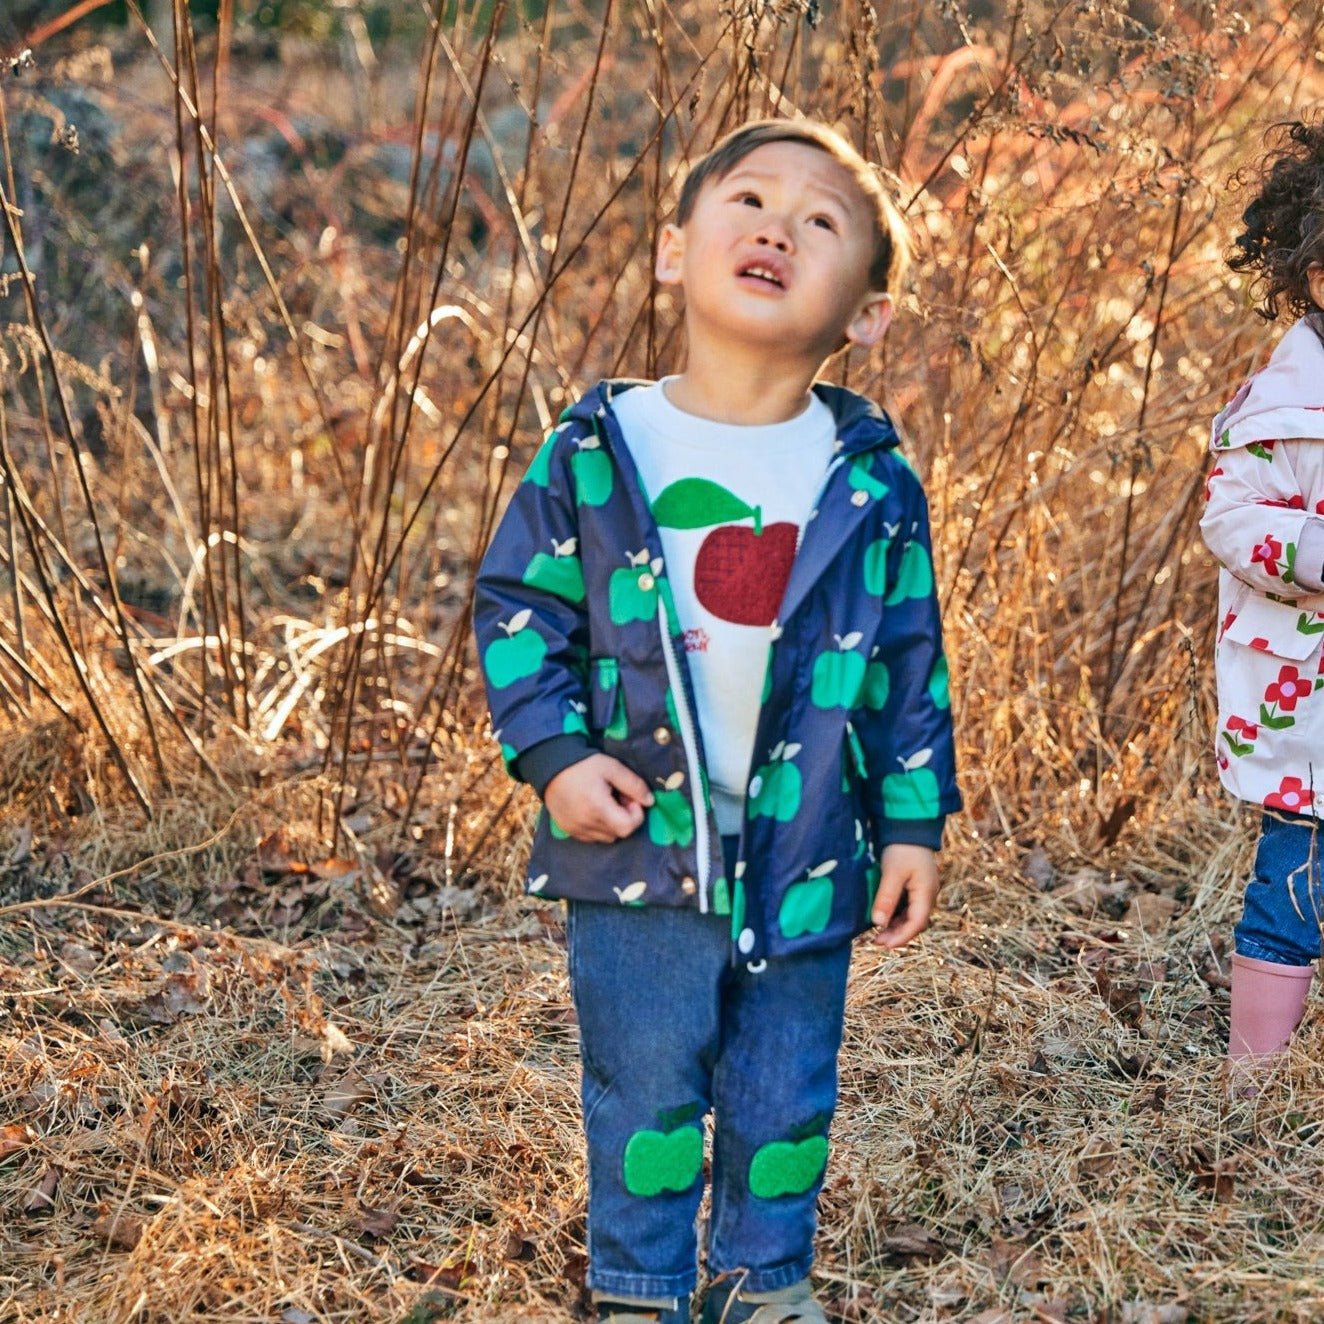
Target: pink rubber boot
{"points": [[1268, 1001]]}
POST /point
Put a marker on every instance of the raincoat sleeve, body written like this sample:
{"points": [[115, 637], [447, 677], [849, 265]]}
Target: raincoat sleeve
{"points": [[1255, 521], [530, 620], [908, 747]]}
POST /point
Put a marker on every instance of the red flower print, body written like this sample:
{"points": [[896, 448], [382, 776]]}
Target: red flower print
{"points": [[1227, 623], [1248, 730], [1289, 689], [1291, 795], [1294, 502], [1209, 482], [1266, 553]]}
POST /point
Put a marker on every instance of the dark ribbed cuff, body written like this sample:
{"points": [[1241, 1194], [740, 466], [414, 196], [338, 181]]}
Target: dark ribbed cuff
{"points": [[538, 764], [911, 832]]}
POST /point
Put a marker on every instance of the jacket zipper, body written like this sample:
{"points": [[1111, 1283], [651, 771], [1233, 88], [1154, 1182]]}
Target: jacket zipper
{"points": [[701, 842]]}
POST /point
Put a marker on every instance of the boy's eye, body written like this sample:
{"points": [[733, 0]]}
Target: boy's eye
{"points": [[749, 199], [825, 222]]}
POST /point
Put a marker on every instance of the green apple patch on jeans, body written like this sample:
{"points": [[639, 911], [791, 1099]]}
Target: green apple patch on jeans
{"points": [[657, 1161], [787, 1167]]}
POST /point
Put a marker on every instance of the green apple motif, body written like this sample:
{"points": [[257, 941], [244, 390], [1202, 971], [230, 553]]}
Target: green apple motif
{"points": [[807, 906], [787, 1167], [657, 1161], [509, 754], [591, 467], [618, 728], [940, 690], [875, 562], [912, 792], [774, 790], [632, 590], [915, 577], [560, 573], [862, 480], [573, 723], [877, 683], [518, 655], [721, 897], [670, 817], [738, 902], [838, 676], [539, 473]]}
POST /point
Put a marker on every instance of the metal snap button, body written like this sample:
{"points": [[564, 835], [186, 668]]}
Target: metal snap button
{"points": [[688, 885], [859, 498], [662, 736], [646, 581]]}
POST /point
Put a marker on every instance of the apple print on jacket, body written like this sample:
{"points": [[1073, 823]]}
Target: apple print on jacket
{"points": [[915, 577], [837, 676], [670, 818], [807, 906], [560, 573], [740, 571], [774, 790], [632, 589], [518, 655], [591, 467], [912, 792]]}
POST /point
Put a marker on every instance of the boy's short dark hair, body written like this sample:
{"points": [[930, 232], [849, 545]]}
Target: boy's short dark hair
{"points": [[891, 249]]}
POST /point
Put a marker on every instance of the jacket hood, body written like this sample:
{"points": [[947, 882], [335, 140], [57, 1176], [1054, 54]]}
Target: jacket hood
{"points": [[861, 424], [1284, 400]]}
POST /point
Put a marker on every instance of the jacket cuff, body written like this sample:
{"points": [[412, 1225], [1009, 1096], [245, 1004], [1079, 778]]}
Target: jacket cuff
{"points": [[538, 764], [910, 832], [1308, 569]]}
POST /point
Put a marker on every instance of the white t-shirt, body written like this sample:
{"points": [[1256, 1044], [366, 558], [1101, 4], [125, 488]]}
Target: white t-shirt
{"points": [[730, 501]]}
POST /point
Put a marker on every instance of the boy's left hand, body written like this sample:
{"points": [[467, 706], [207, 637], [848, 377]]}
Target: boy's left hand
{"points": [[906, 893]]}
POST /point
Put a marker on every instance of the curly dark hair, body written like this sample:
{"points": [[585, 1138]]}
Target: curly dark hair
{"points": [[1284, 235]]}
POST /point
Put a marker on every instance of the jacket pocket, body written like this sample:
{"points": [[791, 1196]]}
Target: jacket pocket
{"points": [[606, 706], [1292, 630]]}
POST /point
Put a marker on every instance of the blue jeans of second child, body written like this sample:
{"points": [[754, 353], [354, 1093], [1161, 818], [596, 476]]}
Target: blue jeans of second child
{"points": [[1280, 921], [668, 1029]]}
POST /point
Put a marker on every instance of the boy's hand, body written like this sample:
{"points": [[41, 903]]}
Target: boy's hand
{"points": [[906, 893], [597, 799]]}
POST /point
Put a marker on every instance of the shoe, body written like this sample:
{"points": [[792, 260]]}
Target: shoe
{"points": [[726, 1305], [630, 1311]]}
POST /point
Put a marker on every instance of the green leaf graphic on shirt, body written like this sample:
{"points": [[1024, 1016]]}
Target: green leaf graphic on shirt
{"points": [[697, 503], [1260, 451]]}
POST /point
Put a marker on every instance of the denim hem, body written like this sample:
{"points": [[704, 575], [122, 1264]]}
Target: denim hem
{"points": [[765, 1280], [1256, 952], [641, 1285]]}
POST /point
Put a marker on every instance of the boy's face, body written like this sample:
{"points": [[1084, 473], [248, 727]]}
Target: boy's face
{"points": [[776, 254]]}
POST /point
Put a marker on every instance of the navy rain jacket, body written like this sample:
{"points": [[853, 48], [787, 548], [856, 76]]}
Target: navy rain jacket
{"points": [[578, 637]]}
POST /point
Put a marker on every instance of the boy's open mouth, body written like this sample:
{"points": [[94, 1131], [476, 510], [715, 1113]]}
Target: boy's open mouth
{"points": [[762, 271]]}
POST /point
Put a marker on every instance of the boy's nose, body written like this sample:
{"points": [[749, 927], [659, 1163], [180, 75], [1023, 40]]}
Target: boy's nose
{"points": [[774, 236]]}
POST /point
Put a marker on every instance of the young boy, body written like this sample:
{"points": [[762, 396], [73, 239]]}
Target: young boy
{"points": [[711, 643]]}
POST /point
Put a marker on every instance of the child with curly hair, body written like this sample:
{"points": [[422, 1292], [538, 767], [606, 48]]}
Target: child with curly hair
{"points": [[1264, 521]]}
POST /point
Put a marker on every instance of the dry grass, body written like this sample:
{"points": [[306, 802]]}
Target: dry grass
{"points": [[278, 1040]]}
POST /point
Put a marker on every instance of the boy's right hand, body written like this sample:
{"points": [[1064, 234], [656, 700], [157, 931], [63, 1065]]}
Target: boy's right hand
{"points": [[597, 799]]}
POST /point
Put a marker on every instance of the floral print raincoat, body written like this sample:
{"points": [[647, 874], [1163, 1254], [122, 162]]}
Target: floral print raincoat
{"points": [[1265, 491]]}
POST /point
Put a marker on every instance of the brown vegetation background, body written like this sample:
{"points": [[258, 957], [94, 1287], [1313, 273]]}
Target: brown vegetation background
{"points": [[284, 310]]}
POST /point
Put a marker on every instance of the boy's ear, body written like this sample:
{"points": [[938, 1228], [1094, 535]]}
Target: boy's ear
{"points": [[670, 255], [870, 323]]}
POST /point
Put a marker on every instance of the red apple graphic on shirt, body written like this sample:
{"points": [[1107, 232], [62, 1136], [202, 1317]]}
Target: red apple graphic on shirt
{"points": [[741, 570]]}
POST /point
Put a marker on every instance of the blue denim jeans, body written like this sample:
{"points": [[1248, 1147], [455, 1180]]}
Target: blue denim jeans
{"points": [[1280, 920], [670, 1029]]}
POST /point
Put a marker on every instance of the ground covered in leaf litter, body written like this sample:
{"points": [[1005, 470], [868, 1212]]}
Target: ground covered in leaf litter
{"points": [[356, 1100]]}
